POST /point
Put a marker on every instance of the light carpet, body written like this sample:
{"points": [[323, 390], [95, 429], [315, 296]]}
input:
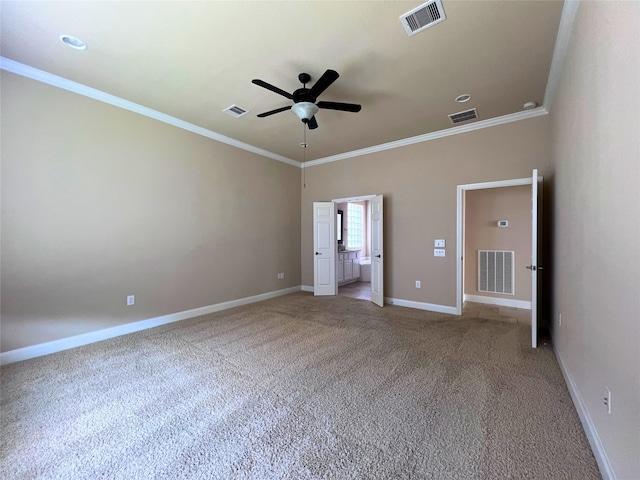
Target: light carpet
{"points": [[297, 387]]}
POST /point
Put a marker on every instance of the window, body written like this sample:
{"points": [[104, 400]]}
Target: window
{"points": [[354, 225]]}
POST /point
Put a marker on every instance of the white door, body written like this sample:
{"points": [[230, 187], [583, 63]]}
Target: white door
{"points": [[536, 183], [377, 256], [324, 248]]}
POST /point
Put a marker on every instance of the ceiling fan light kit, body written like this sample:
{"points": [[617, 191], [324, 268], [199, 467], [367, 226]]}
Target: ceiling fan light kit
{"points": [[304, 111]]}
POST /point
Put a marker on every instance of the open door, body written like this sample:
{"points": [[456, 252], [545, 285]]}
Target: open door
{"points": [[377, 257], [536, 183], [324, 248]]}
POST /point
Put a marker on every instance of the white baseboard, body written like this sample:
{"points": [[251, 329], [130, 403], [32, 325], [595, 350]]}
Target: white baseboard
{"points": [[432, 307], [503, 302], [405, 303], [606, 470], [92, 337]]}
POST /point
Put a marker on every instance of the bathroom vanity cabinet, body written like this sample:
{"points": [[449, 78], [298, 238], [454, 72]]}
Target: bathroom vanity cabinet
{"points": [[348, 266]]}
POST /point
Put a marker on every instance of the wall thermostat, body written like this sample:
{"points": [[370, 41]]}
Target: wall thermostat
{"points": [[503, 223]]}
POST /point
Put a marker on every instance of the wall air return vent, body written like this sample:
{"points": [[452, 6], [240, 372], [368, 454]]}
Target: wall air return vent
{"points": [[464, 116], [496, 271], [423, 17], [235, 111]]}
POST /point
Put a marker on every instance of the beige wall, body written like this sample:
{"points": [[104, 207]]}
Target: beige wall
{"points": [[483, 209], [419, 184], [595, 132], [99, 203]]}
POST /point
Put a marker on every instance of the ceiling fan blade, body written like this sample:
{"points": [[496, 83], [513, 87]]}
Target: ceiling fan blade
{"points": [[323, 83], [345, 107], [313, 123], [271, 112], [268, 86]]}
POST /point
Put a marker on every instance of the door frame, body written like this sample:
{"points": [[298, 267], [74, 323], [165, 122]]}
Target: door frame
{"points": [[461, 189], [359, 198]]}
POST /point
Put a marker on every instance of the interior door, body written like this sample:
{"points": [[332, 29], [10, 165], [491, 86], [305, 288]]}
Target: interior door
{"points": [[324, 248], [536, 184], [377, 256]]}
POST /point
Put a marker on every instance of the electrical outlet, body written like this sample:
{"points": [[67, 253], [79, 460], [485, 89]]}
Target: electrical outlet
{"points": [[559, 319], [439, 243], [418, 284], [131, 300], [607, 400]]}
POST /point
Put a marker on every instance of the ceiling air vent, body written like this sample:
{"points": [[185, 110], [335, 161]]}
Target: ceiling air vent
{"points": [[464, 116], [423, 17], [235, 111]]}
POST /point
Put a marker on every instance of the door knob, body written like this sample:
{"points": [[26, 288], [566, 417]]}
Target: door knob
{"points": [[377, 256], [318, 253], [531, 267]]}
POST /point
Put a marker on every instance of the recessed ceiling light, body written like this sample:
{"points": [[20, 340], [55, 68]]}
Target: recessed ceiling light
{"points": [[73, 42], [465, 97]]}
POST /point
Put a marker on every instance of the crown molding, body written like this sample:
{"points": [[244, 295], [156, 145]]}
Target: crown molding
{"points": [[569, 11], [65, 84], [491, 122]]}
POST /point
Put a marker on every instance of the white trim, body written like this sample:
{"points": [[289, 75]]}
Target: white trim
{"points": [[491, 122], [60, 82], [498, 184], [92, 337], [361, 198], [569, 10], [503, 302], [606, 469], [432, 307], [65, 84], [460, 227], [307, 288]]}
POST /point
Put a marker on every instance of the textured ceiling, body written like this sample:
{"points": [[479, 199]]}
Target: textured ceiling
{"points": [[193, 59]]}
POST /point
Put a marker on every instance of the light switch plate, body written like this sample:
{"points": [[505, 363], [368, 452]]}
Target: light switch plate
{"points": [[438, 243], [438, 252]]}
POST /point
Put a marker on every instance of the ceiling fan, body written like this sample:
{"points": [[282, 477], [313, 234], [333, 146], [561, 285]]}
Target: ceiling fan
{"points": [[305, 106]]}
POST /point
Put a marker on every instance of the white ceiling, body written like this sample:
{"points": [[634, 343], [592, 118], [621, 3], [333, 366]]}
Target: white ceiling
{"points": [[193, 59]]}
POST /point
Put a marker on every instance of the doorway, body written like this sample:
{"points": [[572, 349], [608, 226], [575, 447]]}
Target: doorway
{"points": [[354, 249], [337, 264], [533, 182]]}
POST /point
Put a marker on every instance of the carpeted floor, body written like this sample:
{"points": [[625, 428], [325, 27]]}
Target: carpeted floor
{"points": [[298, 387]]}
